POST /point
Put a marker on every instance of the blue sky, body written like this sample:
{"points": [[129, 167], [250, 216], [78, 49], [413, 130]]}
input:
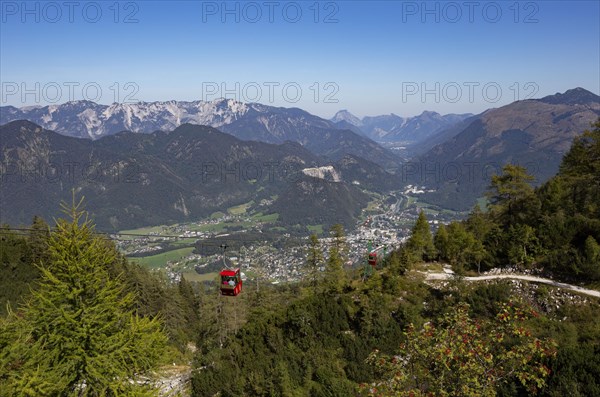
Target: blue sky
{"points": [[371, 58]]}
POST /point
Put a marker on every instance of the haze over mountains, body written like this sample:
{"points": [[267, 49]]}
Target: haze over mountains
{"points": [[344, 134], [535, 133], [165, 171], [132, 180], [247, 121], [393, 128]]}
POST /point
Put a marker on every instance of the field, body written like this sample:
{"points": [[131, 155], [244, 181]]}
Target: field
{"points": [[193, 276], [266, 218], [143, 231], [316, 229], [217, 215], [160, 260], [240, 209], [210, 227]]}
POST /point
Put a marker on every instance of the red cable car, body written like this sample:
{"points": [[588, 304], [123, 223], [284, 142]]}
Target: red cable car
{"points": [[231, 282], [376, 255], [372, 258]]}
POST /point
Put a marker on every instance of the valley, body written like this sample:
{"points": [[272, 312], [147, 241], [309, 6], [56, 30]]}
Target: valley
{"points": [[262, 248], [300, 198]]}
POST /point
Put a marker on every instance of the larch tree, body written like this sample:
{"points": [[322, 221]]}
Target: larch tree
{"points": [[459, 245], [78, 334], [510, 194]]}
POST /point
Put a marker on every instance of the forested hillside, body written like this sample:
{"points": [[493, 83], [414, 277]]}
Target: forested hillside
{"points": [[554, 228], [78, 319], [533, 133], [341, 331], [392, 334]]}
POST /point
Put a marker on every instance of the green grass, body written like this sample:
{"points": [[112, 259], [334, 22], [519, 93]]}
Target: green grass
{"points": [[216, 227], [266, 218], [143, 231], [373, 205], [193, 276], [593, 285], [146, 230], [316, 229], [216, 215], [160, 260], [240, 209], [429, 211], [450, 212], [429, 266]]}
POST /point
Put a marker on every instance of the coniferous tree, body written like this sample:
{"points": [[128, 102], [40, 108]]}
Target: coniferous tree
{"points": [[523, 245], [314, 259], [509, 194], [478, 223], [405, 260], [335, 275], [77, 335], [459, 246], [399, 261], [17, 270], [592, 258], [582, 164], [441, 242], [476, 253], [38, 240], [420, 243]]}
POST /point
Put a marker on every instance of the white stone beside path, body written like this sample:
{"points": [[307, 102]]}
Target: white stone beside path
{"points": [[581, 290]]}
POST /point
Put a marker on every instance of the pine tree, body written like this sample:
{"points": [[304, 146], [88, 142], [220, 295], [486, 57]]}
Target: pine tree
{"points": [[314, 259], [38, 240], [522, 244], [459, 246], [580, 172], [77, 335], [335, 275], [394, 263], [189, 306], [420, 243], [478, 223], [17, 270], [592, 258], [441, 242]]}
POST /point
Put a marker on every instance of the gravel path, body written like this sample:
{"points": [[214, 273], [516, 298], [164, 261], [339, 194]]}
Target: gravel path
{"points": [[581, 290]]}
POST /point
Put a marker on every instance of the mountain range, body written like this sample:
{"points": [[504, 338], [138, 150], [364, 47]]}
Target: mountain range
{"points": [[246, 121], [167, 170], [394, 128], [534, 133], [132, 180]]}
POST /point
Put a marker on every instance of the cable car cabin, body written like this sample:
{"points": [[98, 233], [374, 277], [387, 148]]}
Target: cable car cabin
{"points": [[231, 282], [372, 258]]}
